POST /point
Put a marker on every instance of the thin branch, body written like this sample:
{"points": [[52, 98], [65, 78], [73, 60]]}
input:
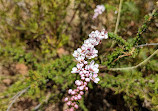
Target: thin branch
{"points": [[118, 17], [150, 44], [44, 101], [17, 96], [40, 105], [134, 67], [118, 21]]}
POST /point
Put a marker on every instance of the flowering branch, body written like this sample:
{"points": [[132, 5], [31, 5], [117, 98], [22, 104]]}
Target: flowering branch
{"points": [[87, 71]]}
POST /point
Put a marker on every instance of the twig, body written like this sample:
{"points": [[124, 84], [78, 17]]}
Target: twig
{"points": [[118, 17], [134, 67], [125, 55], [118, 21], [74, 14], [46, 101], [147, 44], [17, 96]]}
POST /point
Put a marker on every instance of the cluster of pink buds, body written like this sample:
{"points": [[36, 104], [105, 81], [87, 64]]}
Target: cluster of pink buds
{"points": [[99, 10], [87, 71]]}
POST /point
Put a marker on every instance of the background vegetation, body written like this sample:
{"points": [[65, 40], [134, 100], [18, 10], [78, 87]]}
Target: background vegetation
{"points": [[38, 37]]}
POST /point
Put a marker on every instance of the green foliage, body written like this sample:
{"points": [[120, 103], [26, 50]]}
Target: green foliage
{"points": [[130, 8], [143, 28], [133, 85], [39, 24], [53, 74], [119, 40]]}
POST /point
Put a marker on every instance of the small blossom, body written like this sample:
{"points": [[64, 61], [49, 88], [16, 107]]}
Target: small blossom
{"points": [[86, 88], [83, 78], [79, 96], [81, 92], [74, 70], [87, 80], [99, 10], [69, 103], [78, 83], [66, 99], [73, 92], [71, 109], [92, 67], [81, 87], [96, 80], [70, 90], [76, 106]]}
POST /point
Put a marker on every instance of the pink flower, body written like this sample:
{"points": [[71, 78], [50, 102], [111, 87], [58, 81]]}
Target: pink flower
{"points": [[73, 92], [99, 10], [81, 92], [72, 98], [79, 96], [85, 83], [71, 109], [69, 103], [78, 83], [76, 106], [81, 87], [72, 104], [66, 99], [86, 88], [70, 90], [76, 98]]}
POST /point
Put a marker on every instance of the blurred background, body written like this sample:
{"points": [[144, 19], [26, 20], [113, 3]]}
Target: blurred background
{"points": [[38, 37]]}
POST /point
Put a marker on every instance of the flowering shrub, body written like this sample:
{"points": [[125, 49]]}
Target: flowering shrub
{"points": [[87, 71], [31, 33]]}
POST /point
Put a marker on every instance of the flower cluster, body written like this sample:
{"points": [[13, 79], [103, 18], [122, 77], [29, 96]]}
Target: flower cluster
{"points": [[99, 10], [87, 71]]}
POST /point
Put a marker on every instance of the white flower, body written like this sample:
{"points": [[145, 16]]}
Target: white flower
{"points": [[81, 58], [69, 91], [74, 70], [96, 80], [79, 66], [91, 53], [78, 54], [103, 34], [92, 41], [78, 83], [87, 80], [92, 67]]}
